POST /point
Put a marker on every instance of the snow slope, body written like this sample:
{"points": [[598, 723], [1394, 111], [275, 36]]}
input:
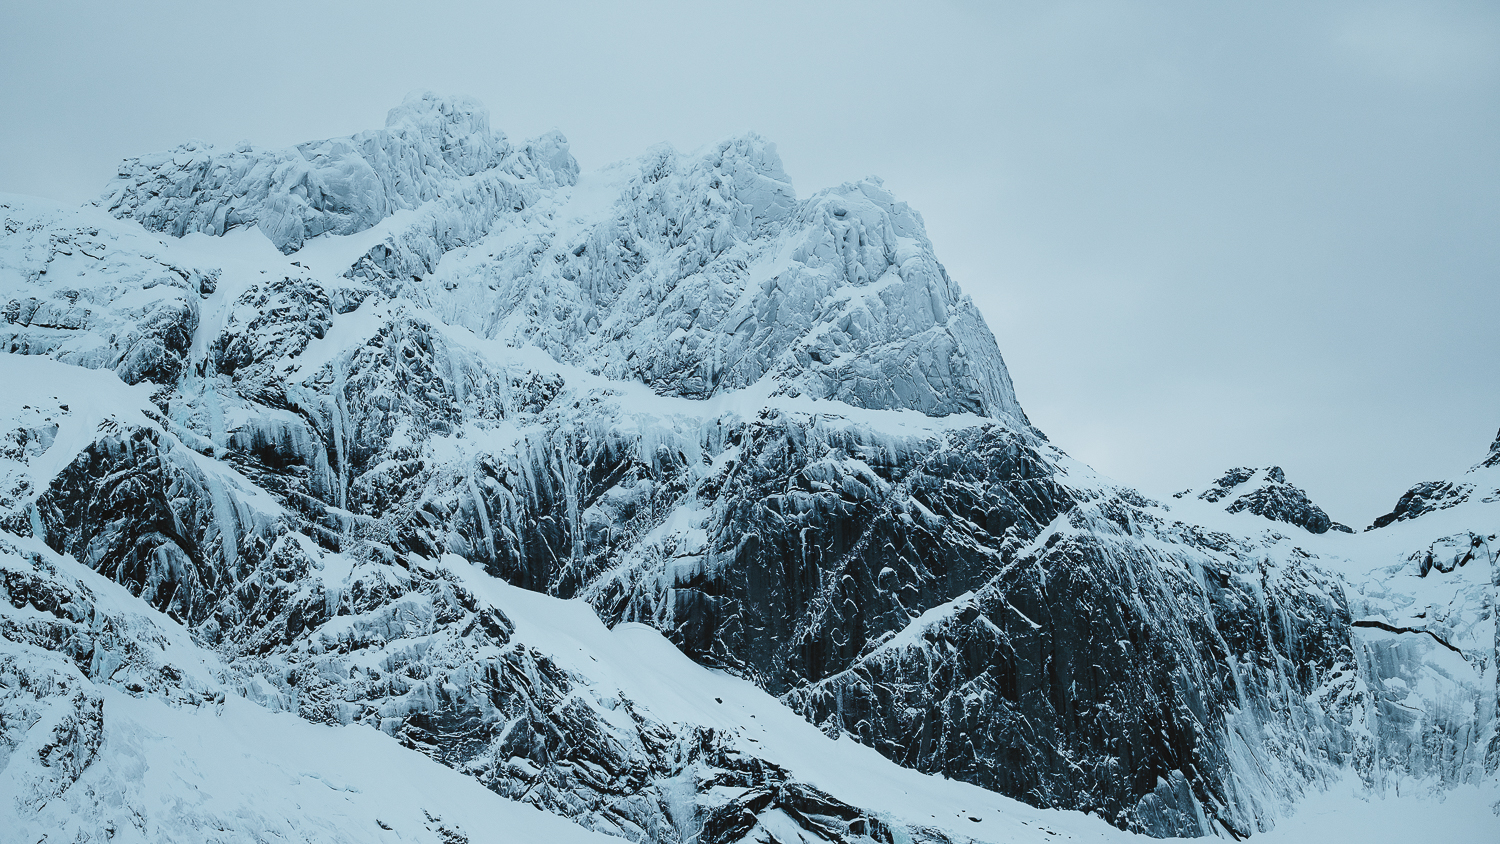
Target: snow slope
{"points": [[229, 770]]}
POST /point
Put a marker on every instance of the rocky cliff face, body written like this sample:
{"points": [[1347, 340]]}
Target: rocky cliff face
{"points": [[378, 378]]}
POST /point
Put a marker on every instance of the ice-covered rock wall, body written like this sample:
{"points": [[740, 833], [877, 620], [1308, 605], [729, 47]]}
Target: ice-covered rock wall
{"points": [[94, 297], [771, 428], [338, 186], [694, 274]]}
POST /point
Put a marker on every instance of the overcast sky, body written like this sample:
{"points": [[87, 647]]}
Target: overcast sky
{"points": [[1204, 234]]}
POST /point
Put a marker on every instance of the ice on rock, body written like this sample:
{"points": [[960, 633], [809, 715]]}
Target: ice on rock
{"points": [[707, 276], [548, 159], [395, 454], [457, 127], [339, 186], [91, 296]]}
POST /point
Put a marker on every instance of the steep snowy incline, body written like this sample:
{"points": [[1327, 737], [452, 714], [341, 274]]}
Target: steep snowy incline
{"points": [[239, 773], [116, 726]]}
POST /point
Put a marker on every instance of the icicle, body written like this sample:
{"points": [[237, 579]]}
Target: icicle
{"points": [[38, 530], [457, 373], [226, 519], [215, 408], [482, 514], [339, 415], [569, 470]]}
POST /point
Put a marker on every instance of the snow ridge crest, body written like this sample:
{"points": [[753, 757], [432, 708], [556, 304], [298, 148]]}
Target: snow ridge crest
{"points": [[338, 186], [697, 274]]}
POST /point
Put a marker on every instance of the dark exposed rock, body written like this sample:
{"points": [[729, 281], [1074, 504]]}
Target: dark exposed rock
{"points": [[127, 509], [1225, 485], [1273, 498], [821, 569], [1425, 497], [1087, 672], [271, 321]]}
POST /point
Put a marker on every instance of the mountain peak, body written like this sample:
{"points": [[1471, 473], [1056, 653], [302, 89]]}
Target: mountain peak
{"points": [[336, 186], [672, 394], [1266, 492], [426, 111], [459, 128], [1431, 496]]}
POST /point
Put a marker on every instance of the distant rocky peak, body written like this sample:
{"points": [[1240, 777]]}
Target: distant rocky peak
{"points": [[458, 127], [337, 186], [1231, 481], [1425, 497], [1431, 496], [732, 189], [1265, 492], [435, 116]]}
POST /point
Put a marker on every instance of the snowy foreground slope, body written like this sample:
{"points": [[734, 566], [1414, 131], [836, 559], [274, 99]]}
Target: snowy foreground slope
{"points": [[379, 486]]}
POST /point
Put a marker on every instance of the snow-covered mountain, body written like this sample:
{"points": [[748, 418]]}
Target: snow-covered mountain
{"points": [[431, 439]]}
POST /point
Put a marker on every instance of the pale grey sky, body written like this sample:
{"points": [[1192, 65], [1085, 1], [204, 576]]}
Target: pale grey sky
{"points": [[1204, 234]]}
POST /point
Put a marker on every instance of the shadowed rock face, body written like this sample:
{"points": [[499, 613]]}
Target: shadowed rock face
{"points": [[1094, 673], [773, 429], [823, 546]]}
